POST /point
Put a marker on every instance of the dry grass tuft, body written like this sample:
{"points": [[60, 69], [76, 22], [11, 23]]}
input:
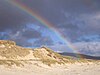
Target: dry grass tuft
{"points": [[9, 49], [11, 63]]}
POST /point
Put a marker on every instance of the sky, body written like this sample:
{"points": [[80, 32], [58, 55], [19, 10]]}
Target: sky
{"points": [[75, 20]]}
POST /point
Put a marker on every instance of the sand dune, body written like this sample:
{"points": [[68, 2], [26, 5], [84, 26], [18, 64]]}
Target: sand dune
{"points": [[16, 60]]}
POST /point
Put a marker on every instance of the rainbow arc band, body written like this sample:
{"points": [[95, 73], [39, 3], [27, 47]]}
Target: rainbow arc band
{"points": [[44, 22]]}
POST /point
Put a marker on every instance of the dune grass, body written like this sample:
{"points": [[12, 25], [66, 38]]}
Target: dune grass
{"points": [[11, 63]]}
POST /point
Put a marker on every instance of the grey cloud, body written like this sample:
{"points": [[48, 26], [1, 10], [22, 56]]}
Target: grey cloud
{"points": [[73, 18], [20, 37], [43, 41], [11, 17], [23, 42], [31, 34]]}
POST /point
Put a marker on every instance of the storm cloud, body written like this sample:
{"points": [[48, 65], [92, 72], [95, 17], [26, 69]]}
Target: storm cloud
{"points": [[73, 18]]}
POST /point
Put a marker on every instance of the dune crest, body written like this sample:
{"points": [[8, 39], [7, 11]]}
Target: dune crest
{"points": [[17, 60]]}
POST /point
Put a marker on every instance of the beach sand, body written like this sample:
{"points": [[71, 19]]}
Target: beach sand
{"points": [[68, 69]]}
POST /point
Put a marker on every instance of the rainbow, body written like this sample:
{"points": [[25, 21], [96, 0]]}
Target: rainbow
{"points": [[43, 22]]}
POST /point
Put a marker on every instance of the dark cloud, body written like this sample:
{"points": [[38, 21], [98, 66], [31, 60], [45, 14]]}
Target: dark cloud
{"points": [[31, 34], [73, 18], [21, 37], [12, 17], [22, 42], [43, 41]]}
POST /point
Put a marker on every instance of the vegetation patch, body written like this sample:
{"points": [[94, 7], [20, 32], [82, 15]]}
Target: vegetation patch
{"points": [[11, 63], [9, 49]]}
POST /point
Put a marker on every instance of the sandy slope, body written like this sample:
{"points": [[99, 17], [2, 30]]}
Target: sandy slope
{"points": [[69, 69], [24, 61]]}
